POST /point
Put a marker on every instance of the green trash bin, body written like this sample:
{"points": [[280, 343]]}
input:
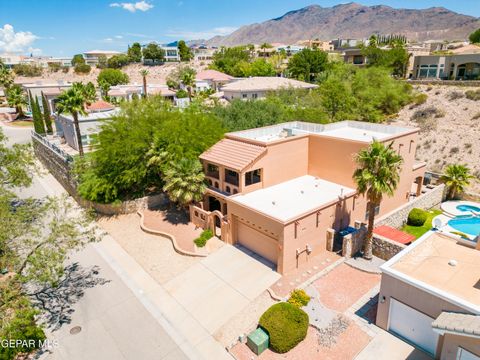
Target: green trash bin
{"points": [[257, 341]]}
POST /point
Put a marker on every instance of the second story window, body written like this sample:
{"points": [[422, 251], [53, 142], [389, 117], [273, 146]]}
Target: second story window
{"points": [[253, 177], [212, 171], [231, 177]]}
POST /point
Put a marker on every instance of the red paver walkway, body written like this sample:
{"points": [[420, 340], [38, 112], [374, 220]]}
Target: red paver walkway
{"points": [[173, 223], [394, 234], [347, 346], [344, 286]]}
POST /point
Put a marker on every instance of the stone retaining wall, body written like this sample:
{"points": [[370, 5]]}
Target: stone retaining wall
{"points": [[473, 83], [425, 201], [385, 248], [61, 169]]}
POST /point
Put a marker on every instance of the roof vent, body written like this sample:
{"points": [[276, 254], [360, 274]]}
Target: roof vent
{"points": [[453, 262], [302, 191], [273, 202]]}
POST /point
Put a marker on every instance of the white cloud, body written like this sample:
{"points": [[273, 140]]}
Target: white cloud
{"points": [[132, 7], [118, 37], [137, 35], [11, 41], [206, 34]]}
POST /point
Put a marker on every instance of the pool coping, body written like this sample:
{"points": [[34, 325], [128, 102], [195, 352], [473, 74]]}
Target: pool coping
{"points": [[449, 208]]}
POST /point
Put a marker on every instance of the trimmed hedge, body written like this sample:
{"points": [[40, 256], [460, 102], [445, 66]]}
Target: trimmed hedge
{"points": [[206, 235], [286, 326], [299, 298], [417, 217]]}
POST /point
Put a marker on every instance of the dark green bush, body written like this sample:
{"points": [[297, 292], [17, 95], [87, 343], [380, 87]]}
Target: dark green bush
{"points": [[286, 326], [299, 298], [417, 217], [82, 69], [206, 235]]}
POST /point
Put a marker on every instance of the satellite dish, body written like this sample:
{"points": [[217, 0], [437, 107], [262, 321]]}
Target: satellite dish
{"points": [[437, 223]]}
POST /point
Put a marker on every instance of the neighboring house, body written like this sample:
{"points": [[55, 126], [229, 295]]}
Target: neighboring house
{"points": [[50, 90], [447, 67], [98, 112], [277, 190], [212, 79], [171, 53], [203, 53], [127, 92], [64, 62], [430, 296], [91, 57], [258, 86], [289, 49], [318, 44], [340, 44], [354, 57], [10, 60]]}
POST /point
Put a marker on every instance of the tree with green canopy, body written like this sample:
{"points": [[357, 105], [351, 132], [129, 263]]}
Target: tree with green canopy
{"points": [[113, 77], [377, 174], [184, 51], [16, 98], [456, 177], [134, 53], [307, 64], [154, 53]]}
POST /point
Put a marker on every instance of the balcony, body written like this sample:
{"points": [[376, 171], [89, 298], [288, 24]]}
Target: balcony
{"points": [[231, 177]]}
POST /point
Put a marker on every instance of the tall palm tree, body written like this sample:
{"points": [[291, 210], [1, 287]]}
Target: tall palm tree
{"points": [[188, 79], [184, 181], [72, 101], [16, 98], [456, 177], [144, 74], [377, 173]]}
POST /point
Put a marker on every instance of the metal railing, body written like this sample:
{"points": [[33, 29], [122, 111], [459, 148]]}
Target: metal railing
{"points": [[66, 157]]}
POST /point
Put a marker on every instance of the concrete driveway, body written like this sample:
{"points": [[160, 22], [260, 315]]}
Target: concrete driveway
{"points": [[220, 286]]}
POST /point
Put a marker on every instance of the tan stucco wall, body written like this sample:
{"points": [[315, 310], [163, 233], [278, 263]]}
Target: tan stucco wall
{"points": [[451, 343], [229, 95]]}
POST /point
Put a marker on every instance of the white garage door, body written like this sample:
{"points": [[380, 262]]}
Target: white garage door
{"points": [[259, 243], [413, 326]]}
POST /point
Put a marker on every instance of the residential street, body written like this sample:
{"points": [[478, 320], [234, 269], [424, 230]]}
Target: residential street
{"points": [[115, 312]]}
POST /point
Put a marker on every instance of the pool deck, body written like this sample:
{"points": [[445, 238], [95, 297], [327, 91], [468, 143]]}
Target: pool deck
{"points": [[450, 207]]}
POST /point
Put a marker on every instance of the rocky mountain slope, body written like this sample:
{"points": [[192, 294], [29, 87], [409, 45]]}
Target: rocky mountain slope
{"points": [[354, 21]]}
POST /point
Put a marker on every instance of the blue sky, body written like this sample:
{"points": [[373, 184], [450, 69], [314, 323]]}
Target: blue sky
{"points": [[67, 27]]}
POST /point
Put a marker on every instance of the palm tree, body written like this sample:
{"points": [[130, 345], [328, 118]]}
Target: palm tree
{"points": [[72, 101], [184, 181], [188, 79], [144, 74], [456, 177], [16, 99], [378, 173]]}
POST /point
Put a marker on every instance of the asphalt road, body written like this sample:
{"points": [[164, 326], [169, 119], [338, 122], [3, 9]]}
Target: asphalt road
{"points": [[94, 314]]}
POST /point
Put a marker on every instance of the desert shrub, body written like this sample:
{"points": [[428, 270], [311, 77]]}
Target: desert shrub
{"points": [[420, 99], [476, 116], [54, 67], [425, 113], [454, 150], [299, 298], [82, 69], [181, 94], [206, 235], [27, 70], [473, 94], [65, 69], [417, 217], [454, 95], [286, 326]]}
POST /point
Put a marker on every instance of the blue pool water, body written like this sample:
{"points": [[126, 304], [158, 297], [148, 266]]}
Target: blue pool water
{"points": [[468, 208], [467, 224]]}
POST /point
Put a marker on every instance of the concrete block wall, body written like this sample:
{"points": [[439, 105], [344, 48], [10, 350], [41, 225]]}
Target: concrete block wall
{"points": [[385, 248]]}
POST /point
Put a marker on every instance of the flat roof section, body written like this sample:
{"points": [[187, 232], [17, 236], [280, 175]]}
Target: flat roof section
{"points": [[293, 198], [440, 264], [350, 130]]}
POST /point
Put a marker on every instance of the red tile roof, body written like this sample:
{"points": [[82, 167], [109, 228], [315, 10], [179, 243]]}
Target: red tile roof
{"points": [[99, 106], [213, 75], [394, 234], [236, 155]]}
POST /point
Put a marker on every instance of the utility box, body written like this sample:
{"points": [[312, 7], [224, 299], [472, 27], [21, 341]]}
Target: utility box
{"points": [[257, 341]]}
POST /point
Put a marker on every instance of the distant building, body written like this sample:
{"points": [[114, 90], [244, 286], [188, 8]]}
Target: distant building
{"points": [[51, 90], [212, 79], [430, 296], [355, 57], [91, 57], [171, 53], [289, 49], [318, 44], [257, 87], [203, 53], [129, 91], [348, 43], [98, 112], [447, 67]]}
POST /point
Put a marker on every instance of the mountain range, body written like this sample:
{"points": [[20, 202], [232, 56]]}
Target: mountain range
{"points": [[353, 20]]}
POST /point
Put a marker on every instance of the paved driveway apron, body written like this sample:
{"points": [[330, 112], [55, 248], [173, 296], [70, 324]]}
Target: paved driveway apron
{"points": [[220, 286]]}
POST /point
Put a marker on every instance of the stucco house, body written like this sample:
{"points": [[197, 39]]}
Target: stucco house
{"points": [[257, 87], [129, 91], [282, 191], [212, 79], [447, 67], [91, 57], [51, 90], [430, 296], [89, 124]]}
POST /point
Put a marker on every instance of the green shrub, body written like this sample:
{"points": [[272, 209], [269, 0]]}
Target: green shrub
{"points": [[473, 94], [82, 69], [417, 217], [299, 298], [286, 326], [420, 99], [112, 77], [181, 94], [206, 235], [27, 70]]}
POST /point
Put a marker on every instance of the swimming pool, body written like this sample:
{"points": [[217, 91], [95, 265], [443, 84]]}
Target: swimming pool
{"points": [[464, 207], [467, 224]]}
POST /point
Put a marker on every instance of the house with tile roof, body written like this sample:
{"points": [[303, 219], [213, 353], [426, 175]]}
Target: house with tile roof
{"points": [[430, 296], [283, 191]]}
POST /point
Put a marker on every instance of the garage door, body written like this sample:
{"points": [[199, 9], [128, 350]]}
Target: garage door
{"points": [[413, 326], [259, 243]]}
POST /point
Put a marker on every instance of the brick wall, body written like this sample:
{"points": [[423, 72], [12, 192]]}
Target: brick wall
{"points": [[385, 248]]}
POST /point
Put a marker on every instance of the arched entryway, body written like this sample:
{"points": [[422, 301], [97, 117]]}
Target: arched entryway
{"points": [[217, 224], [468, 71]]}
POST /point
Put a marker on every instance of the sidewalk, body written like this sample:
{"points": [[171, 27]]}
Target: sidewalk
{"points": [[190, 336]]}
